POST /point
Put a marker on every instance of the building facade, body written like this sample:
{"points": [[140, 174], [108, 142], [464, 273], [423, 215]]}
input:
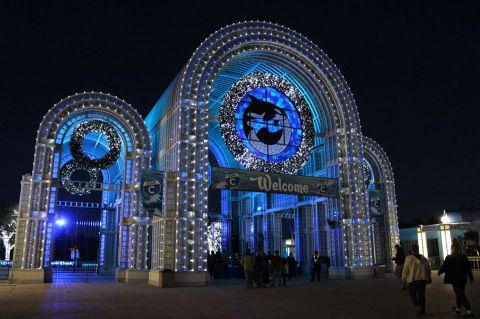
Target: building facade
{"points": [[255, 97]]}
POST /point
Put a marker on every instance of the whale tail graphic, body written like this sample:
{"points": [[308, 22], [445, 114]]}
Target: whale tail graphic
{"points": [[265, 119]]}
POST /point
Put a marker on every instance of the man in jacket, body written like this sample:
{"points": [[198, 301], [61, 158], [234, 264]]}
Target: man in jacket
{"points": [[248, 265], [316, 266], [457, 268], [417, 274], [277, 265], [292, 264]]}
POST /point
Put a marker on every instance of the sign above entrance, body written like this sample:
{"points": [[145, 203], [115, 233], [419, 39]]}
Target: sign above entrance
{"points": [[242, 180]]}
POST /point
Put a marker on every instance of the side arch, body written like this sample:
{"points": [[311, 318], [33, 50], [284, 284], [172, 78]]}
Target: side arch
{"points": [[38, 196], [384, 189]]}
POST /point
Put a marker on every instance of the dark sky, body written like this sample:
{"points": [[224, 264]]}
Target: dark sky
{"points": [[413, 68]]}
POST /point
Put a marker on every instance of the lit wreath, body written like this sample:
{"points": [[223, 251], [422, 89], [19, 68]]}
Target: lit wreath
{"points": [[367, 174], [66, 179], [294, 158], [110, 135]]}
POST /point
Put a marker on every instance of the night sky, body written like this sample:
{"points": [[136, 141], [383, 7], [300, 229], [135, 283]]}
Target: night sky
{"points": [[414, 70]]}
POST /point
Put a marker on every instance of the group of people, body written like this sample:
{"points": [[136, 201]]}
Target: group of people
{"points": [[217, 264], [261, 270], [414, 271]]}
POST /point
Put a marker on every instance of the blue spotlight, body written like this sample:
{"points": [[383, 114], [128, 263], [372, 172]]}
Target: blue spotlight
{"points": [[60, 222]]}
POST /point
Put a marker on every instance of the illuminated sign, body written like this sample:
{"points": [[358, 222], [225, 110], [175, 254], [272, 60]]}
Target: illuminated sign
{"points": [[267, 124]]}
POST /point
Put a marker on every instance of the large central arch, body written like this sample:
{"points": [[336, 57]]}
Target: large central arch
{"points": [[190, 107]]}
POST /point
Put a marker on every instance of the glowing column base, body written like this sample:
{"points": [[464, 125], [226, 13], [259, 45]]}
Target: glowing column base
{"points": [[161, 279], [191, 278], [29, 276], [131, 275], [350, 273]]}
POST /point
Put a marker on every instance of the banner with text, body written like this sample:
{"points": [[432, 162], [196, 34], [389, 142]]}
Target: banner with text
{"points": [[152, 191], [243, 180]]}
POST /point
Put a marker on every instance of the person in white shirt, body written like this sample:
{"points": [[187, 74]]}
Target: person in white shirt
{"points": [[417, 274]]}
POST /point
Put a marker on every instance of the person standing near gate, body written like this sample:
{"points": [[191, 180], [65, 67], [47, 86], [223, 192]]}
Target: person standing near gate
{"points": [[248, 265], [292, 264], [399, 260], [417, 274], [277, 266], [211, 264], [316, 266], [457, 268]]}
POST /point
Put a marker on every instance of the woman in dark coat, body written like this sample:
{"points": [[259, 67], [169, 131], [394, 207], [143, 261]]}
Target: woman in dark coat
{"points": [[457, 268]]}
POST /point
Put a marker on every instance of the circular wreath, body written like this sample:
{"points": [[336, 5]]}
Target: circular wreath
{"points": [[110, 135], [367, 173], [66, 179], [230, 134]]}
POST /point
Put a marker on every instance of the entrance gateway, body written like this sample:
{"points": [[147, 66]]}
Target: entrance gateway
{"points": [[257, 137]]}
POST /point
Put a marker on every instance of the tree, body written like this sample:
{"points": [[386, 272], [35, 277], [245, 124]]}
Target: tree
{"points": [[8, 224]]}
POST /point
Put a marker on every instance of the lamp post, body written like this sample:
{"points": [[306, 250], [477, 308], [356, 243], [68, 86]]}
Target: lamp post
{"points": [[445, 235], [422, 241]]}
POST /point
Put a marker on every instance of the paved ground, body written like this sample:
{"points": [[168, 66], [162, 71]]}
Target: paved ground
{"points": [[368, 298]]}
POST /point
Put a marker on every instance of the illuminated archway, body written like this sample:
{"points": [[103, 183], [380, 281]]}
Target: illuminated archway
{"points": [[382, 202], [120, 185], [190, 107]]}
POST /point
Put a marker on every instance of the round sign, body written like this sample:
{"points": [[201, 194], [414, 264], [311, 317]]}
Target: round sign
{"points": [[267, 124]]}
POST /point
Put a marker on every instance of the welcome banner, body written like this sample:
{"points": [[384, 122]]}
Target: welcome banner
{"points": [[243, 180]]}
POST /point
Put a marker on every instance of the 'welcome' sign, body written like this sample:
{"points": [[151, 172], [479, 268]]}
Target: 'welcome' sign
{"points": [[242, 180]]}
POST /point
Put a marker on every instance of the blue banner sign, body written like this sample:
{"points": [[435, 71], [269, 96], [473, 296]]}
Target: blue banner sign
{"points": [[151, 190], [243, 180]]}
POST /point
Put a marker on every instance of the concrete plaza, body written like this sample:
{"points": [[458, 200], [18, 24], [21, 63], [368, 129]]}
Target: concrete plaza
{"points": [[366, 298]]}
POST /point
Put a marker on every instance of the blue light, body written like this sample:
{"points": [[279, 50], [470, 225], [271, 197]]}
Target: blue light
{"points": [[60, 222]]}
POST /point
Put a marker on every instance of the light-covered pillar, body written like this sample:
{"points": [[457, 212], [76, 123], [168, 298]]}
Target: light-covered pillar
{"points": [[422, 241]]}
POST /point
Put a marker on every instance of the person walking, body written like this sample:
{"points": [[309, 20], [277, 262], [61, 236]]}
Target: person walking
{"points": [[260, 267], [457, 268], [316, 266], [218, 264], [248, 265], [284, 271], [417, 274], [225, 264], [399, 260], [292, 264], [277, 265], [211, 264]]}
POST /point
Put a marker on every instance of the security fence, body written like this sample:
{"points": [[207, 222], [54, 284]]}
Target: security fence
{"points": [[5, 267], [75, 271], [474, 262]]}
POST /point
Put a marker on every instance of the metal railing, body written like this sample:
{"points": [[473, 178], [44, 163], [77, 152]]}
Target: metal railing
{"points": [[73, 270], [5, 267], [474, 262]]}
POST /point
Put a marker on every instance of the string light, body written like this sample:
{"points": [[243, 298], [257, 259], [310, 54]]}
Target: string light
{"points": [[66, 178], [110, 135], [294, 159]]}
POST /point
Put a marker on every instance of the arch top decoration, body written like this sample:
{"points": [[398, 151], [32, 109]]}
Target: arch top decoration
{"points": [[253, 37], [377, 158], [84, 103]]}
